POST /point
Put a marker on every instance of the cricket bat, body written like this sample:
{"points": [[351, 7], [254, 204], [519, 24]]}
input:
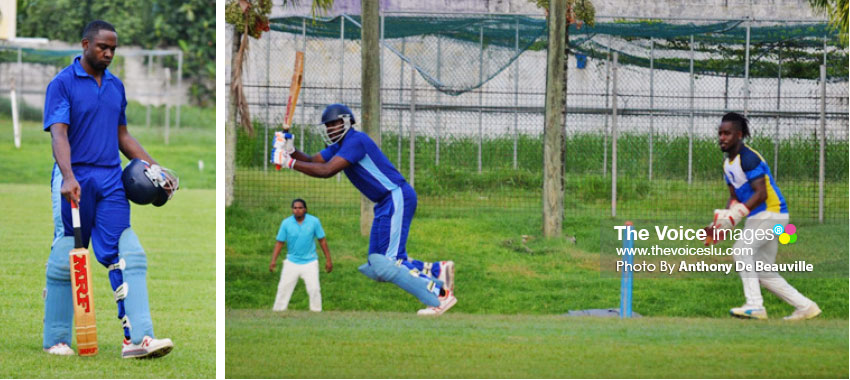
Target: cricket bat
{"points": [[82, 294], [292, 101]]}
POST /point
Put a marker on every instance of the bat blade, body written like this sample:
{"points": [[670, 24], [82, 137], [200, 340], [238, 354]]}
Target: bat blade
{"points": [[83, 298], [81, 291], [294, 90]]}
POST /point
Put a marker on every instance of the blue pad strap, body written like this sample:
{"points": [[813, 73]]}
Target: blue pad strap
{"points": [[386, 270], [58, 304], [136, 303]]}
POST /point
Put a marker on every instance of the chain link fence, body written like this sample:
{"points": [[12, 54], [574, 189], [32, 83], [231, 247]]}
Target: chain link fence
{"points": [[462, 112], [27, 70]]}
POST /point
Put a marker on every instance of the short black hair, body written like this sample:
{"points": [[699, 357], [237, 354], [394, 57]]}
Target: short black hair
{"points": [[296, 200], [94, 27], [740, 122]]}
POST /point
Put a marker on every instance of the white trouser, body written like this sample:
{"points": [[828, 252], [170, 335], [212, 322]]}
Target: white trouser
{"points": [[765, 251], [289, 277]]}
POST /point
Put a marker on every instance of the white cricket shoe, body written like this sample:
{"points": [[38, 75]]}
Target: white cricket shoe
{"points": [[446, 303], [60, 349], [148, 348], [805, 313], [749, 312], [447, 274]]}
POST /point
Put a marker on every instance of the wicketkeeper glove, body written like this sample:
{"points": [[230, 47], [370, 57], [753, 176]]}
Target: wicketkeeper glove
{"points": [[729, 218]]}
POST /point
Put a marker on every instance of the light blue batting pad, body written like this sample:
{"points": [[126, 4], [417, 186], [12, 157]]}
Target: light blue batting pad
{"points": [[136, 303], [58, 301], [386, 270], [56, 202]]}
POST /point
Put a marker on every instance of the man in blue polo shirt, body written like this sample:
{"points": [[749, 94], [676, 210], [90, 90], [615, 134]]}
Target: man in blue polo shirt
{"points": [[371, 172], [84, 114], [299, 232]]}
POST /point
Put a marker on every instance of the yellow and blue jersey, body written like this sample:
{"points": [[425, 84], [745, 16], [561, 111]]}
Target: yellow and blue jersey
{"points": [[749, 165]]}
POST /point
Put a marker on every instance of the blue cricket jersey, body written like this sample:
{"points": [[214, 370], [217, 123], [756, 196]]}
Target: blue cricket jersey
{"points": [[747, 166], [92, 113], [370, 171]]}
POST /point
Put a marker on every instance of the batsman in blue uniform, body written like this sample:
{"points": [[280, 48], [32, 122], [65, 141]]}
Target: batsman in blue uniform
{"points": [[371, 172], [84, 112]]}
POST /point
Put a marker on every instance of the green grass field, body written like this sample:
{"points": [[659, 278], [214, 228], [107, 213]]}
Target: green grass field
{"points": [[178, 240], [300, 344], [511, 294]]}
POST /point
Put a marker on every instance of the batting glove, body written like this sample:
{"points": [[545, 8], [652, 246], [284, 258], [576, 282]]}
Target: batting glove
{"points": [[281, 159], [284, 141]]}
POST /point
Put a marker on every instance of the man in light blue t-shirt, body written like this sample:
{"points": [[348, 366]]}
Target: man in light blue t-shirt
{"points": [[300, 232]]}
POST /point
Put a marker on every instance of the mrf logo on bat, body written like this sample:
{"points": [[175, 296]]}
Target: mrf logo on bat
{"points": [[82, 295]]}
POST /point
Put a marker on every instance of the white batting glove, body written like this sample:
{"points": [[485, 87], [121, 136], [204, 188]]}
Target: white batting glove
{"points": [[284, 141], [281, 159]]}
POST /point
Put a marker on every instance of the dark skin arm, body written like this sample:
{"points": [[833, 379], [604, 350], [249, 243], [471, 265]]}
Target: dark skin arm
{"points": [[759, 194], [131, 147], [277, 247], [62, 154], [329, 266], [321, 169]]}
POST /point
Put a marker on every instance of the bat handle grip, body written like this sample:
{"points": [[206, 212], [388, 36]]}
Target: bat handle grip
{"points": [[75, 222]]}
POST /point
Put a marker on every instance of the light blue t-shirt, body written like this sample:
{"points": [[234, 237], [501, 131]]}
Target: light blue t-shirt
{"points": [[301, 238]]}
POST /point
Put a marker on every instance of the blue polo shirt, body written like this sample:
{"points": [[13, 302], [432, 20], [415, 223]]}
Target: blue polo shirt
{"points": [[92, 113], [370, 171], [300, 238]]}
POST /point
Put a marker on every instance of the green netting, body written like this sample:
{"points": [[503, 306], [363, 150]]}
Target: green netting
{"points": [[457, 54]]}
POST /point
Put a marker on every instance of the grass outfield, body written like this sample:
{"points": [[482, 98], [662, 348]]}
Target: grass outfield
{"points": [[181, 284], [299, 344], [498, 274], [33, 162]]}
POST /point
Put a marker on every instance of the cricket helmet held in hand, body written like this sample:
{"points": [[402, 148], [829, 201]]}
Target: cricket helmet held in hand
{"points": [[333, 113], [145, 183]]}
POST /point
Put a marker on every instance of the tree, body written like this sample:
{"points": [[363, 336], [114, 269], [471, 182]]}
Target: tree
{"points": [[152, 24], [837, 12], [249, 18]]}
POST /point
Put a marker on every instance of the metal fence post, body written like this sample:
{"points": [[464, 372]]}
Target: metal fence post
{"points": [[412, 127], [180, 92], [691, 129], [439, 99], [341, 58], [401, 98], [746, 71], [651, 100], [778, 105], [480, 98], [516, 91], [268, 106], [341, 69], [167, 109], [822, 153], [304, 82], [605, 128], [614, 138], [148, 106]]}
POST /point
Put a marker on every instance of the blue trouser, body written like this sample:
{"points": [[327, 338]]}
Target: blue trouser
{"points": [[105, 219], [388, 260]]}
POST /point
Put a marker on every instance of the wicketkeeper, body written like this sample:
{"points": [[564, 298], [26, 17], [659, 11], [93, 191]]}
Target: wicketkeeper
{"points": [[371, 172], [753, 194], [84, 113]]}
